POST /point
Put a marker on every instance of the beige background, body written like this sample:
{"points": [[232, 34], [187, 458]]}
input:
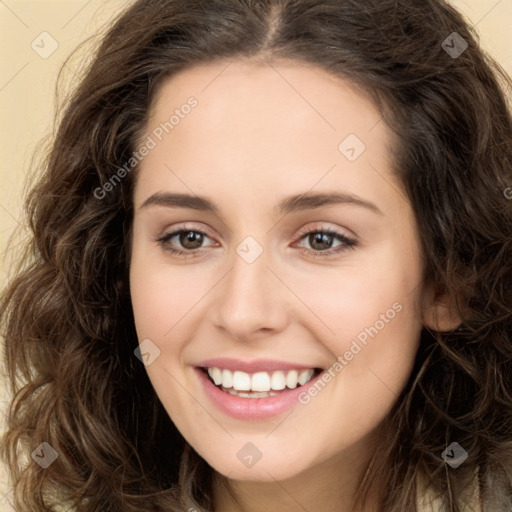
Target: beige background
{"points": [[27, 82]]}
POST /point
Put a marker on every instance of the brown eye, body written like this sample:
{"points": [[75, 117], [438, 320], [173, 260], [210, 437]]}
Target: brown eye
{"points": [[320, 241], [184, 241], [326, 242], [191, 239]]}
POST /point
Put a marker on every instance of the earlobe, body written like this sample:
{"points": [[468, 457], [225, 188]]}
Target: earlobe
{"points": [[439, 311]]}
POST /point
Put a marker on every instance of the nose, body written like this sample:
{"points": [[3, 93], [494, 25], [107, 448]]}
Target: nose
{"points": [[251, 302]]}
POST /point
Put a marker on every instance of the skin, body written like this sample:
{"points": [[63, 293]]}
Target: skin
{"points": [[261, 133]]}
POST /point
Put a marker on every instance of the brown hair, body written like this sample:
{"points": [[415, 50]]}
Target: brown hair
{"points": [[66, 314]]}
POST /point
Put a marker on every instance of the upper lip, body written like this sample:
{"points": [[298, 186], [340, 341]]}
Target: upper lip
{"points": [[257, 365]]}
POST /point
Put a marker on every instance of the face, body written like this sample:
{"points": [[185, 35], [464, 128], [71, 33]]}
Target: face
{"points": [[276, 274]]}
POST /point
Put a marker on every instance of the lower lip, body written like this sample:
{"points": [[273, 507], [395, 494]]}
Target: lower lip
{"points": [[252, 408]]}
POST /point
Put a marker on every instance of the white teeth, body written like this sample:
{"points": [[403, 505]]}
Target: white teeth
{"points": [[216, 375], [305, 376], [227, 378], [253, 394], [292, 378], [241, 381], [260, 382], [278, 380]]}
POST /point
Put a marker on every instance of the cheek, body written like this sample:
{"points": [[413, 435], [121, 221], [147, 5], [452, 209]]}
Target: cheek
{"points": [[377, 298], [372, 308], [162, 294], [374, 317], [163, 299]]}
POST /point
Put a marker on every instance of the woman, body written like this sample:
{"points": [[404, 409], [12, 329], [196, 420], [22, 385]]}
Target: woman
{"points": [[270, 267]]}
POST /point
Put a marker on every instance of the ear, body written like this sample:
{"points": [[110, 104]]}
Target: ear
{"points": [[439, 312]]}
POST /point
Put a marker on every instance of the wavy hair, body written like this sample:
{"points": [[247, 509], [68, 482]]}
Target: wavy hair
{"points": [[66, 316]]}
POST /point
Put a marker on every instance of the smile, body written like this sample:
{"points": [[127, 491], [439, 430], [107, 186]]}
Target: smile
{"points": [[254, 390], [260, 384]]}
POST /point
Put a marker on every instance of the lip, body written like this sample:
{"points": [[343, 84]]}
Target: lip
{"points": [[252, 408], [259, 365]]}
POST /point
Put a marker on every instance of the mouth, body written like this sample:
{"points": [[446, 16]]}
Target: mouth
{"points": [[261, 384]]}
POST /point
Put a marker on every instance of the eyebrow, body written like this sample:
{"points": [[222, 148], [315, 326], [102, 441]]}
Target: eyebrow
{"points": [[295, 203]]}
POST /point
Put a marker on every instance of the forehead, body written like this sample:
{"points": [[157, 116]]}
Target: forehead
{"points": [[278, 91], [282, 125]]}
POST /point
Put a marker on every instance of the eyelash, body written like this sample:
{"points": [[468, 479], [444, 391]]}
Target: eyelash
{"points": [[347, 243]]}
